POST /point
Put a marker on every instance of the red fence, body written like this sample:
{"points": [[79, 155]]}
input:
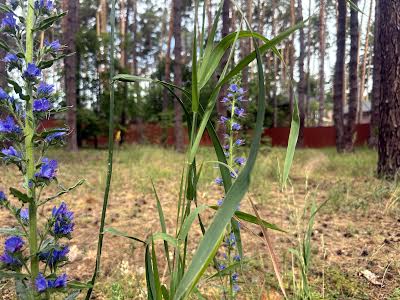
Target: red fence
{"points": [[314, 137]]}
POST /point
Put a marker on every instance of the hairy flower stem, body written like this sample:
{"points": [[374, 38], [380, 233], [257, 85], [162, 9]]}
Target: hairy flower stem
{"points": [[29, 155]]}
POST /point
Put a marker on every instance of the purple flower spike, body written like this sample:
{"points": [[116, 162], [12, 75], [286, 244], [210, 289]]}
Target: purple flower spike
{"points": [[236, 126], [9, 23], [234, 88], [59, 282], [8, 126], [41, 105], [53, 46], [63, 221], [53, 257], [24, 215], [240, 112], [48, 169], [41, 283], [13, 244], [31, 72], [55, 136], [239, 142], [223, 119], [240, 161], [3, 197], [10, 261], [218, 181], [11, 153], [44, 89]]}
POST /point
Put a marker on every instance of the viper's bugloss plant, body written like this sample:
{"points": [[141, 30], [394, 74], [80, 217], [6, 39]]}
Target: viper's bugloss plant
{"points": [[36, 251], [230, 257]]}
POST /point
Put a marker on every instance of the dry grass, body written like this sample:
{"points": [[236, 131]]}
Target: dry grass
{"points": [[358, 233]]}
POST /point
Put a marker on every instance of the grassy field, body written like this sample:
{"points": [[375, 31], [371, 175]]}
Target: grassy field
{"points": [[356, 230]]}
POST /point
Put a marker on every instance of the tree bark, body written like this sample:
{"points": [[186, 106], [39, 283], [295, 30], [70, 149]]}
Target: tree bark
{"points": [[275, 67], [364, 66], [308, 77], [70, 29], [353, 80], [291, 55], [389, 101], [178, 73], [321, 96], [338, 85], [246, 48], [226, 25], [302, 84], [167, 74], [123, 59], [376, 86]]}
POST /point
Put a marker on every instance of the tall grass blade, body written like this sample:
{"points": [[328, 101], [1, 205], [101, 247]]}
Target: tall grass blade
{"points": [[162, 224], [292, 142]]}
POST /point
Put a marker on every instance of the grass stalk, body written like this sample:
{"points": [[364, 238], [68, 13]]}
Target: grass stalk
{"points": [[110, 155]]}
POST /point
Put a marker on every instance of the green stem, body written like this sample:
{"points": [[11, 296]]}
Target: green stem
{"points": [[29, 130], [110, 155]]}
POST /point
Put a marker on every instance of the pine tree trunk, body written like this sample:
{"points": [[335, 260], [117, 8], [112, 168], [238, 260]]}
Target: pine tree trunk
{"points": [[178, 73], [321, 97], [376, 86], [123, 62], [364, 67], [226, 25], [246, 48], [301, 88], [209, 16], [338, 85], [291, 55], [308, 77], [70, 29], [275, 67], [389, 101], [167, 75], [353, 81]]}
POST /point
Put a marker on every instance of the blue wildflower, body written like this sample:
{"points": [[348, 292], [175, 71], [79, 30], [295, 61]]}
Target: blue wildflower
{"points": [[237, 258], [240, 161], [63, 221], [59, 282], [236, 288], [40, 105], [235, 277], [11, 153], [9, 23], [3, 197], [226, 147], [48, 169], [10, 58], [8, 126], [31, 72], [44, 89], [223, 119], [54, 256], [239, 142], [10, 261], [218, 180], [240, 112], [13, 244], [53, 46], [220, 202], [227, 154], [234, 174], [41, 283], [44, 6], [24, 215], [221, 267], [231, 240], [234, 88], [236, 126], [55, 136], [3, 95]]}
